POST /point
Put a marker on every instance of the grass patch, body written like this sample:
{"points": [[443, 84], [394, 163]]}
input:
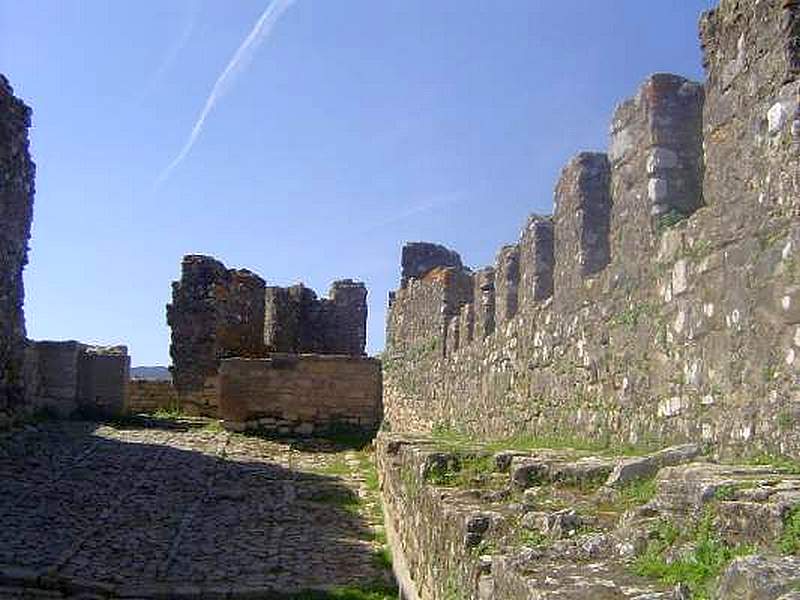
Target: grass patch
{"points": [[786, 464], [170, 412], [532, 538], [214, 426], [669, 219], [452, 440], [345, 500], [466, 471], [633, 315], [374, 591], [335, 468], [383, 558], [637, 492], [699, 566], [789, 542]]}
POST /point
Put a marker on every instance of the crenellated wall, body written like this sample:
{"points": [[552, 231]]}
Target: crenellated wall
{"points": [[16, 211], [661, 301], [297, 321]]}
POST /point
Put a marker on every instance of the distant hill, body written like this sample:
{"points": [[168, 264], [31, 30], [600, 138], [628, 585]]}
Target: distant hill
{"points": [[151, 373]]}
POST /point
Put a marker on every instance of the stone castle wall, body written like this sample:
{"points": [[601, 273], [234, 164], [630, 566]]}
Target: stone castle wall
{"points": [[218, 313], [300, 394], [16, 211], [145, 396], [660, 302]]}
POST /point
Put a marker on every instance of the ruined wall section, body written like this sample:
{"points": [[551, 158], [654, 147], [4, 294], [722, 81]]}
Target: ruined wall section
{"points": [[691, 328], [65, 378], [16, 211], [296, 321], [215, 313]]}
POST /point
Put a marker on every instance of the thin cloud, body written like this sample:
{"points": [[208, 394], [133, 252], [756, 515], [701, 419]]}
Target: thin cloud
{"points": [[243, 55], [412, 211], [177, 46]]}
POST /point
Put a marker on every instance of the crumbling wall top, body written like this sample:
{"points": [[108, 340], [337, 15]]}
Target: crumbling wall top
{"points": [[418, 258]]}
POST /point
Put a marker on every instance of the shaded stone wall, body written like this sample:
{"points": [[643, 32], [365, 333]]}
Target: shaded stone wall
{"points": [[297, 321], [16, 211], [301, 394], [146, 396], [674, 311], [67, 376]]}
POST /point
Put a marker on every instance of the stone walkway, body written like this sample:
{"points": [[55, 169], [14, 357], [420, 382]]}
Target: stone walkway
{"points": [[178, 509]]}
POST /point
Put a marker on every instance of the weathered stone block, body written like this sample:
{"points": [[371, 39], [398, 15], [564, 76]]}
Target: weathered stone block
{"points": [[71, 376], [536, 260], [484, 304], [506, 283], [297, 321], [103, 374], [582, 218]]}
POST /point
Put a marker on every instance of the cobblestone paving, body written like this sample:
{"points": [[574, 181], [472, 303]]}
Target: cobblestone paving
{"points": [[180, 509]]}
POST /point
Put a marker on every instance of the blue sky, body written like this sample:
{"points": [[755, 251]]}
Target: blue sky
{"points": [[355, 126]]}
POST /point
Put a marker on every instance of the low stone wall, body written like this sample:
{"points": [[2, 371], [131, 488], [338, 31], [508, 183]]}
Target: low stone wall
{"points": [[426, 536], [149, 396], [472, 522], [301, 394], [66, 376]]}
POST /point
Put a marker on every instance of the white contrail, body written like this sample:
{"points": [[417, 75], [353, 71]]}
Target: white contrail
{"points": [[172, 52], [434, 204], [243, 54]]}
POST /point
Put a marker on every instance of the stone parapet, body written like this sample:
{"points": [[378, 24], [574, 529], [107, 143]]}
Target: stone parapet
{"points": [[300, 394]]}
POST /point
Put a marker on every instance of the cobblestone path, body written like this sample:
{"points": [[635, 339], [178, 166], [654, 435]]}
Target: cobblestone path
{"points": [[181, 509]]}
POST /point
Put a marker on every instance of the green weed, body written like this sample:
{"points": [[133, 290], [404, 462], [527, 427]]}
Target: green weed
{"points": [[790, 539], [704, 560]]}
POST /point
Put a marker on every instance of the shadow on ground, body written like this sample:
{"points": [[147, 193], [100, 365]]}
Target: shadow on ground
{"points": [[167, 508]]}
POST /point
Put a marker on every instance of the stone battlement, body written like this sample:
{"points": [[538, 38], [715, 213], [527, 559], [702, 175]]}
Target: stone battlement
{"points": [[659, 301]]}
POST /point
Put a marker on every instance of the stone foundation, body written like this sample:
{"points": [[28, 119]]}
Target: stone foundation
{"points": [[300, 394]]}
